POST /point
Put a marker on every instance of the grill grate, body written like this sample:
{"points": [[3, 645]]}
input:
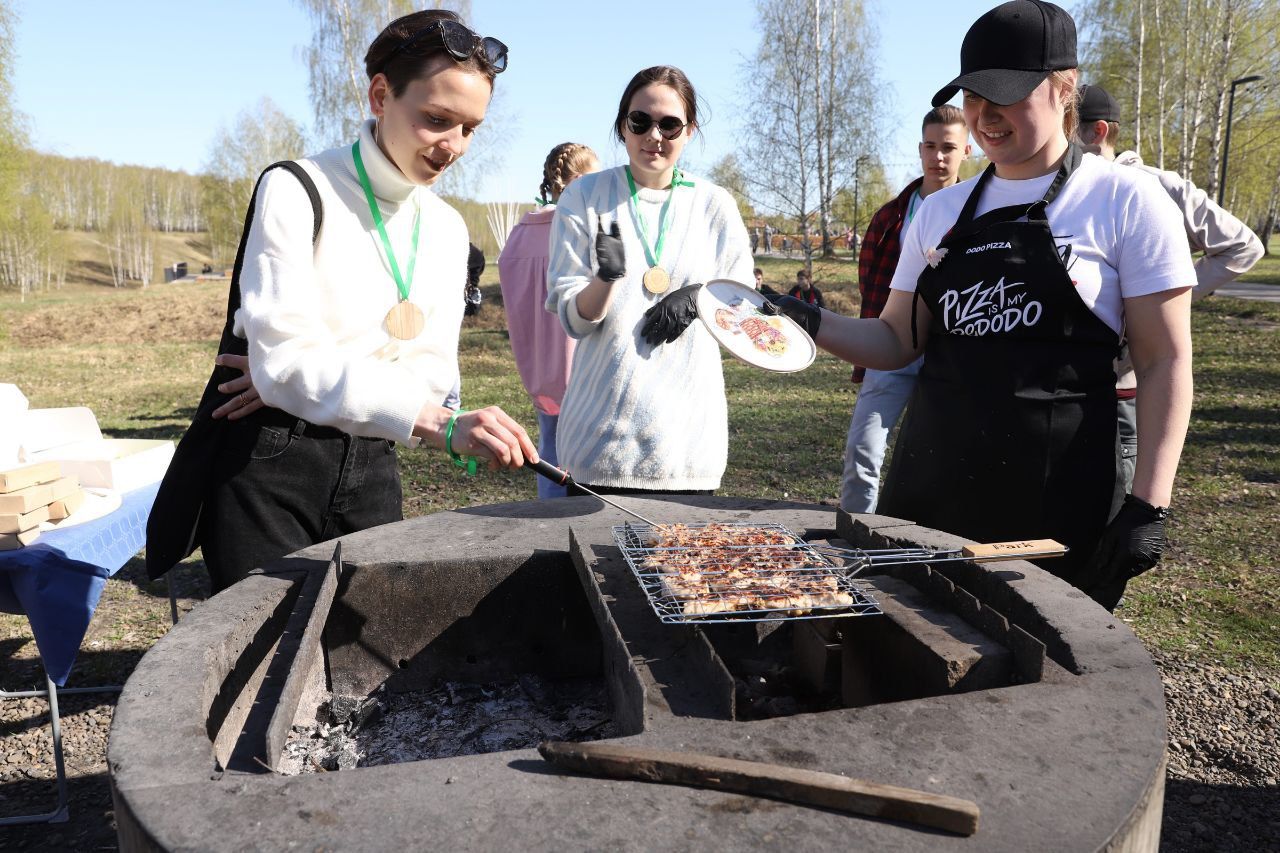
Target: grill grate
{"points": [[779, 576]]}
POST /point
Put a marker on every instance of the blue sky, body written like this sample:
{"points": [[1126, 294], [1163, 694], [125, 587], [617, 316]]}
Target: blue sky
{"points": [[150, 81]]}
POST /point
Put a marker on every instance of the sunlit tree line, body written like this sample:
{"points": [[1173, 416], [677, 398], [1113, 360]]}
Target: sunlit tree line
{"points": [[811, 89], [1170, 64]]}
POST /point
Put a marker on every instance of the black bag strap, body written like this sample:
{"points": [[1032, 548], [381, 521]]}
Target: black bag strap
{"points": [[317, 213]]}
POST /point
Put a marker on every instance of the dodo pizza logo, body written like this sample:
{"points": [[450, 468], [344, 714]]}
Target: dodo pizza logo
{"points": [[983, 309]]}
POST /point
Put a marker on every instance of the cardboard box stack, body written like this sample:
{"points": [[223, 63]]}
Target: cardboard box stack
{"points": [[30, 495]]}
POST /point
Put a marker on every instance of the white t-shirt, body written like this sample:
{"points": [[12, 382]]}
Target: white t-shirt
{"points": [[1124, 234]]}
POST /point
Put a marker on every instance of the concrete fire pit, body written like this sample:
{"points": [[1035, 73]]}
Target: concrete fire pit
{"points": [[996, 683]]}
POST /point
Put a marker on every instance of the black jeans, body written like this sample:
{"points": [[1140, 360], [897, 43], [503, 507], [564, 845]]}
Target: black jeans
{"points": [[282, 484]]}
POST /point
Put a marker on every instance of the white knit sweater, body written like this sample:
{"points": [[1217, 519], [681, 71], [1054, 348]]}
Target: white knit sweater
{"points": [[636, 416], [314, 319]]}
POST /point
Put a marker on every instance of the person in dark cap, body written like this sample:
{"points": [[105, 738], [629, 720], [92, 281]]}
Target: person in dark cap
{"points": [[1229, 247], [1017, 286]]}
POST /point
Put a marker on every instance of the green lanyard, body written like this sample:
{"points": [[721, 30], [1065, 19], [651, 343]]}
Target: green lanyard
{"points": [[403, 283], [655, 254]]}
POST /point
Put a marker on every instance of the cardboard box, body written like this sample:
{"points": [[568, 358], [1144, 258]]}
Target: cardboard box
{"points": [[17, 522], [28, 475], [25, 500], [44, 429], [60, 509], [71, 437], [13, 414], [14, 541], [122, 464]]}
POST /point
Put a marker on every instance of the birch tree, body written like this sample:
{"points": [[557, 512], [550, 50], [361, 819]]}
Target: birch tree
{"points": [[341, 33], [1187, 53], [10, 121], [259, 136], [812, 94]]}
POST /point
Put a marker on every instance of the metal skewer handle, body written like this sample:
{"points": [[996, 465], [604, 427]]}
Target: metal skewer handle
{"points": [[564, 478]]}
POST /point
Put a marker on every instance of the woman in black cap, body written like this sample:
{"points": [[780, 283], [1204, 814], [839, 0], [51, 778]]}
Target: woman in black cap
{"points": [[1019, 286]]}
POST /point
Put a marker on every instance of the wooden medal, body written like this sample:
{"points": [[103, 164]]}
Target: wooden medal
{"points": [[656, 280], [405, 321]]}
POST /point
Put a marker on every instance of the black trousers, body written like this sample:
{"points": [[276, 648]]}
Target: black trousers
{"points": [[282, 484]]}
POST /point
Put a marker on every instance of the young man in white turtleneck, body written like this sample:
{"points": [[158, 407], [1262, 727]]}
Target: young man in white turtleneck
{"points": [[352, 334]]}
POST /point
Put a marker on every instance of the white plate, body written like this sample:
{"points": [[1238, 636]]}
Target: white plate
{"points": [[730, 311]]}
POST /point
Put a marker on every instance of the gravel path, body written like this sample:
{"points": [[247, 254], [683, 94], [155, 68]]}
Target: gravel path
{"points": [[1222, 795]]}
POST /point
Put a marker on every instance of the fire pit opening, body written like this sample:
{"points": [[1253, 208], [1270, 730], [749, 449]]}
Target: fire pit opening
{"points": [[932, 639], [435, 661]]}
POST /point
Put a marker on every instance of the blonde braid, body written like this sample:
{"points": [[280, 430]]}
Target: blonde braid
{"points": [[566, 161]]}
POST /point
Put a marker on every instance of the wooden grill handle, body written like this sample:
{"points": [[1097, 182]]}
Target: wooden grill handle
{"points": [[807, 787], [993, 552]]}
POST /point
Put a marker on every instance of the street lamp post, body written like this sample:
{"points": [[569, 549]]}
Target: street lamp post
{"points": [[1226, 144], [857, 172]]}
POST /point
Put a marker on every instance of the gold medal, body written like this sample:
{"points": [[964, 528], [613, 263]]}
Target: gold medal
{"points": [[405, 321], [656, 280]]}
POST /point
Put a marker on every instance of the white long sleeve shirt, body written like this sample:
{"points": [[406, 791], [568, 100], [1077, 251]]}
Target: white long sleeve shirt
{"points": [[1230, 247], [313, 316], [636, 416]]}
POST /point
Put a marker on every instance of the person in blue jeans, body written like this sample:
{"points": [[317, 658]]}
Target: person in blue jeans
{"points": [[944, 145]]}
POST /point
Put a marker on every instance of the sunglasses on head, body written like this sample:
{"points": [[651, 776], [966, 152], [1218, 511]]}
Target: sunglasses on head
{"points": [[639, 123], [460, 42]]}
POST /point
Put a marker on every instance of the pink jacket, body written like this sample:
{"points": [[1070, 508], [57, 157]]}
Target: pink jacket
{"points": [[543, 351]]}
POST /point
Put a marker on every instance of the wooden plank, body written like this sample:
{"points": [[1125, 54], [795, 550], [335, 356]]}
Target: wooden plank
{"points": [[18, 522], [14, 541], [807, 787], [1020, 550], [64, 507], [25, 500], [28, 475]]}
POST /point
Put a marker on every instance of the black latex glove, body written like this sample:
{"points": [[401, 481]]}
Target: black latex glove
{"points": [[611, 259], [667, 320], [809, 317], [1132, 544]]}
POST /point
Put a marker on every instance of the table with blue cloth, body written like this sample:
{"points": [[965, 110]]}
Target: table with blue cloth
{"points": [[56, 582]]}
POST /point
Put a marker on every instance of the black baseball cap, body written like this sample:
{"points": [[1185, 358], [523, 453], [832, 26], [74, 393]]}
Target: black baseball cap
{"points": [[1096, 104], [1011, 50]]}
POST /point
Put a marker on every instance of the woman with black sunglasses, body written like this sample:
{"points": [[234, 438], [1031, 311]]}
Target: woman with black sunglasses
{"points": [[645, 408], [352, 333]]}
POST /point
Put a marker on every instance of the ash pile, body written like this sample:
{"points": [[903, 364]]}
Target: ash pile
{"points": [[455, 718]]}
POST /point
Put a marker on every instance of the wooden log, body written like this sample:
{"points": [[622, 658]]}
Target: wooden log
{"points": [[807, 787]]}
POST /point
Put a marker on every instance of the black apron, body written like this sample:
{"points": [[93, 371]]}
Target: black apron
{"points": [[1011, 430]]}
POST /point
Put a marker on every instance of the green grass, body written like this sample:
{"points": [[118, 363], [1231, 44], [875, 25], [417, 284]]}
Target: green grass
{"points": [[1215, 596], [1265, 271]]}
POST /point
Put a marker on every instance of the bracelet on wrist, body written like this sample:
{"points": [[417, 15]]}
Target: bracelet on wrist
{"points": [[468, 462]]}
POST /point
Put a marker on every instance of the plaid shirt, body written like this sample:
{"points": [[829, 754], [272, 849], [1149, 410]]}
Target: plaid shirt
{"points": [[878, 257]]}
